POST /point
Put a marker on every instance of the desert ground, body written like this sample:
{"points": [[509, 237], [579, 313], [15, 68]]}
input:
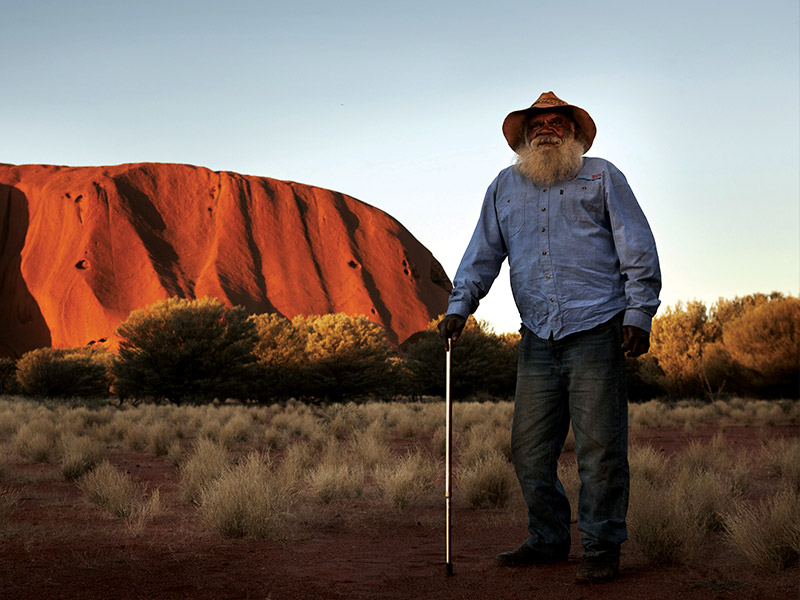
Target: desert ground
{"points": [[368, 541]]}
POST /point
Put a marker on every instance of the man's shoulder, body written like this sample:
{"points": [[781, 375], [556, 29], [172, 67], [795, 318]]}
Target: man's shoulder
{"points": [[510, 176], [596, 163]]}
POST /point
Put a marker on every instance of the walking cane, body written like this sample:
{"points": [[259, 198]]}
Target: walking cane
{"points": [[448, 565]]}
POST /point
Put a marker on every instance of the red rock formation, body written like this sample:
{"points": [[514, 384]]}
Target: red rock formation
{"points": [[81, 247]]}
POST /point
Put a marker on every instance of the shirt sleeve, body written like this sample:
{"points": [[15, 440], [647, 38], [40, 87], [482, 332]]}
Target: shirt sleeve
{"points": [[636, 250], [482, 260]]}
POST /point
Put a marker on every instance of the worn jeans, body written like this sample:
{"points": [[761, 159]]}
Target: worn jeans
{"points": [[579, 378]]}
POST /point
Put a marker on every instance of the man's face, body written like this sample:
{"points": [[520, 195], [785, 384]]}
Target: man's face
{"points": [[548, 130]]}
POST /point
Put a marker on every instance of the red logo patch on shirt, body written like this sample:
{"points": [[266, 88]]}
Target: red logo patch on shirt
{"points": [[596, 176]]}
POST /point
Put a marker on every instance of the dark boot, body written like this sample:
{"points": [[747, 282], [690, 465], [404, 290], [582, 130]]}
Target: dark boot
{"points": [[598, 569], [525, 556]]}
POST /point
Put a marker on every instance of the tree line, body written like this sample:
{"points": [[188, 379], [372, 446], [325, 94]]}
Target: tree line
{"points": [[198, 350]]}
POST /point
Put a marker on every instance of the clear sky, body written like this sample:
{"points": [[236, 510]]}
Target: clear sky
{"points": [[400, 105]]}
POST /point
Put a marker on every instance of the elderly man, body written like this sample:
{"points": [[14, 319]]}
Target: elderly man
{"points": [[585, 278]]}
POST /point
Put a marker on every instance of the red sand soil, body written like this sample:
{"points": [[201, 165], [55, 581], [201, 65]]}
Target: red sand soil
{"points": [[58, 545], [87, 245]]}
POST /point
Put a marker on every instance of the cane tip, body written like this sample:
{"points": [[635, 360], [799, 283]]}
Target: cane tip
{"points": [[448, 569]]}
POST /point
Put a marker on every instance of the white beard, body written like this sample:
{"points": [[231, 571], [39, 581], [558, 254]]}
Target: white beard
{"points": [[546, 166]]}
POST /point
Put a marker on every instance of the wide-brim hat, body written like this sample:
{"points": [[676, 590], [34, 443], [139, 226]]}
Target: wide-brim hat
{"points": [[548, 102]]}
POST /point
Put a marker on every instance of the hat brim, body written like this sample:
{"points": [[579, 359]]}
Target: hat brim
{"points": [[514, 124]]}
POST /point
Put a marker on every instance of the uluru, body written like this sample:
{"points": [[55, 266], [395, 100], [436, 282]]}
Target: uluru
{"points": [[81, 247]]}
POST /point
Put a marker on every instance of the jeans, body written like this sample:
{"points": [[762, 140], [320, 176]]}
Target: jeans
{"points": [[579, 378]]}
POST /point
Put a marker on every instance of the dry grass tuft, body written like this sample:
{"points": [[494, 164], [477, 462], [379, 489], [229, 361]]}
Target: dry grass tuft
{"points": [[79, 455], [36, 440], [699, 457], [135, 437], [143, 512], [118, 494], [487, 482], [404, 482], [782, 457], [111, 489], [249, 499], [160, 438], [647, 464], [208, 461], [336, 477], [236, 430], [660, 527], [369, 447], [768, 535]]}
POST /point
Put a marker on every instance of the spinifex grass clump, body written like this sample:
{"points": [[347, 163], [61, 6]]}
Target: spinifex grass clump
{"points": [[369, 447], [118, 494], [674, 506], [768, 535], [36, 441], [405, 481], [208, 461], [79, 455], [337, 476], [487, 481], [782, 457], [111, 489], [647, 464], [249, 499]]}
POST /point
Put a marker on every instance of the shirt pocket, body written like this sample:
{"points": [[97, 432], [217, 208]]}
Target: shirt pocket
{"points": [[511, 212], [583, 200]]}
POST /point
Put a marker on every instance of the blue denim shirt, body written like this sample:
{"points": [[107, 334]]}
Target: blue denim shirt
{"points": [[579, 252]]}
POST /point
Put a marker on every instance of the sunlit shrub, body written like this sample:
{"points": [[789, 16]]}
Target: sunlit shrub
{"points": [[64, 372], [185, 349]]}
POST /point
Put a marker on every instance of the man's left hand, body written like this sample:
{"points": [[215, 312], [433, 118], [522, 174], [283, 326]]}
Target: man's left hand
{"points": [[635, 341]]}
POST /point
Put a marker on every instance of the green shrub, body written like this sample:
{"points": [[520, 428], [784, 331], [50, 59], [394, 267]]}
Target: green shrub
{"points": [[64, 372], [346, 356], [8, 375], [280, 354], [482, 362], [185, 349]]}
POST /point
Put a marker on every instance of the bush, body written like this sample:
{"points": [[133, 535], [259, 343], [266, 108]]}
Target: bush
{"points": [[8, 375], [482, 362], [346, 356], [766, 341], [678, 338], [280, 354], [64, 372], [186, 349]]}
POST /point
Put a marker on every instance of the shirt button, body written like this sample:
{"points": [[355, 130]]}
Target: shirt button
{"points": [[542, 229], [544, 209], [544, 190], [552, 300], [544, 252], [547, 276]]}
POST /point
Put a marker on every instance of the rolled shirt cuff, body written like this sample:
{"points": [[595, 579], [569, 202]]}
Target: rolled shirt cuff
{"points": [[637, 318], [459, 307]]}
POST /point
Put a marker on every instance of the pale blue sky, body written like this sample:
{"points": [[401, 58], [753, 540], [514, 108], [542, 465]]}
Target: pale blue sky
{"points": [[400, 105]]}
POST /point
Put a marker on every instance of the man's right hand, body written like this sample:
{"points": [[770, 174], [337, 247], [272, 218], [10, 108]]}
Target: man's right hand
{"points": [[450, 328]]}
